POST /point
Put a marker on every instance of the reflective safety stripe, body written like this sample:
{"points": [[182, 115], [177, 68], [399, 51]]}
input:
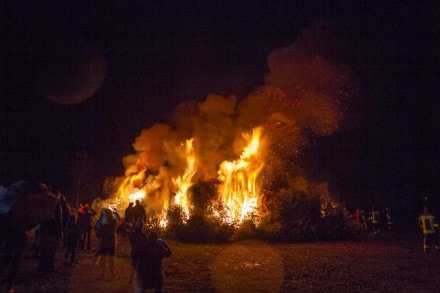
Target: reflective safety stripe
{"points": [[375, 217], [428, 224]]}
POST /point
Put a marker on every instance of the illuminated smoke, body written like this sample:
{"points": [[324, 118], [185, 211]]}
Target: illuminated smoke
{"points": [[304, 95]]}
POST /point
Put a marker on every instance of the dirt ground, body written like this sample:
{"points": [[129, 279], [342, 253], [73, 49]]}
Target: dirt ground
{"points": [[395, 263]]}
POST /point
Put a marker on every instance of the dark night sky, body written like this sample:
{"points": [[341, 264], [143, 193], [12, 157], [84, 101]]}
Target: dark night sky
{"points": [[160, 55]]}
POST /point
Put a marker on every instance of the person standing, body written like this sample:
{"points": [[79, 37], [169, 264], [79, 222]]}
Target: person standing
{"points": [[71, 237], [138, 212], [375, 221], [128, 214], [429, 230], [364, 221], [106, 233], [357, 218], [85, 226], [128, 218], [50, 237], [13, 248], [137, 240], [149, 273], [389, 219]]}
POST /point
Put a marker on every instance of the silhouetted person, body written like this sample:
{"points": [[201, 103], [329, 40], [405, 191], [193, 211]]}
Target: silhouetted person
{"points": [[85, 226], [389, 219], [50, 237], [106, 233], [71, 237], [429, 230], [138, 211], [149, 265], [13, 252], [137, 240], [128, 219], [128, 214], [375, 220]]}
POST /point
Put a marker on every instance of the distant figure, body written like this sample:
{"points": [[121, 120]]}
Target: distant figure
{"points": [[375, 221], [149, 274], [85, 226], [357, 218], [72, 234], [80, 208], [138, 212], [106, 233], [128, 219], [128, 215], [363, 220], [389, 219], [116, 215], [137, 240], [429, 230], [64, 210]]}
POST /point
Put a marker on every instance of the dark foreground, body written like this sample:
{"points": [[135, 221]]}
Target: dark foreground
{"points": [[394, 263]]}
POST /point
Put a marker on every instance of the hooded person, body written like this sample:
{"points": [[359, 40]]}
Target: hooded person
{"points": [[106, 233], [149, 273], [137, 241]]}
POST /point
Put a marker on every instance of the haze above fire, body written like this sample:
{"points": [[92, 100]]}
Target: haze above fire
{"points": [[304, 95]]}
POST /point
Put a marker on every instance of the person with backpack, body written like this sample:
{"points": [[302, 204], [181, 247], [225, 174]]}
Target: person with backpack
{"points": [[71, 237], [106, 233]]}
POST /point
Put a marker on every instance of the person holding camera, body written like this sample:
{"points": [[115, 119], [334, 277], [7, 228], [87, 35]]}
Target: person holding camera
{"points": [[149, 273]]}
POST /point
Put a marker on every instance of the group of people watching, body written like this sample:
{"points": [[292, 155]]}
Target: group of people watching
{"points": [[147, 253], [72, 231], [375, 220], [77, 232]]}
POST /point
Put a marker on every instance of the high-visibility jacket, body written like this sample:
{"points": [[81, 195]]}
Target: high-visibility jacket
{"points": [[375, 217], [427, 222]]}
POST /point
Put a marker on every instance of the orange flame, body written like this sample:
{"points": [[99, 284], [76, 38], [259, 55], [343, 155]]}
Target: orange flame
{"points": [[132, 188], [184, 182], [240, 191]]}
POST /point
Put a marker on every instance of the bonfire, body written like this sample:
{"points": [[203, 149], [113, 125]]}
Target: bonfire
{"points": [[249, 146]]}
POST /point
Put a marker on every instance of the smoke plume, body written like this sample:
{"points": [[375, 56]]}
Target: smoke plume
{"points": [[304, 95]]}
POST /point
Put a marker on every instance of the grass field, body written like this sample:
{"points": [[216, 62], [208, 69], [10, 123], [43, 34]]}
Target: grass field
{"points": [[395, 263]]}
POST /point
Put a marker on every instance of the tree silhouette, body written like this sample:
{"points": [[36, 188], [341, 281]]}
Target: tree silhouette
{"points": [[81, 170]]}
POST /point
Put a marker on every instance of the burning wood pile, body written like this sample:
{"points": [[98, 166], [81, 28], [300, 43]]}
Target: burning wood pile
{"points": [[247, 149]]}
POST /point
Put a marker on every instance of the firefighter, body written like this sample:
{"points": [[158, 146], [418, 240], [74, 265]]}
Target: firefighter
{"points": [[429, 229], [357, 218], [375, 221], [389, 219], [363, 220]]}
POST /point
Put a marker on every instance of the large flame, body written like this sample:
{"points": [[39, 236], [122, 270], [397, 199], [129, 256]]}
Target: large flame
{"points": [[303, 96], [239, 190], [184, 182]]}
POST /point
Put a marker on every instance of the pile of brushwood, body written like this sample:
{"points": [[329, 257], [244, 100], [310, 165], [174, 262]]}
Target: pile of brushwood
{"points": [[289, 216]]}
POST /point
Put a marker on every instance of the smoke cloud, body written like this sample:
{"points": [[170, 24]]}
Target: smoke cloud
{"points": [[304, 95]]}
